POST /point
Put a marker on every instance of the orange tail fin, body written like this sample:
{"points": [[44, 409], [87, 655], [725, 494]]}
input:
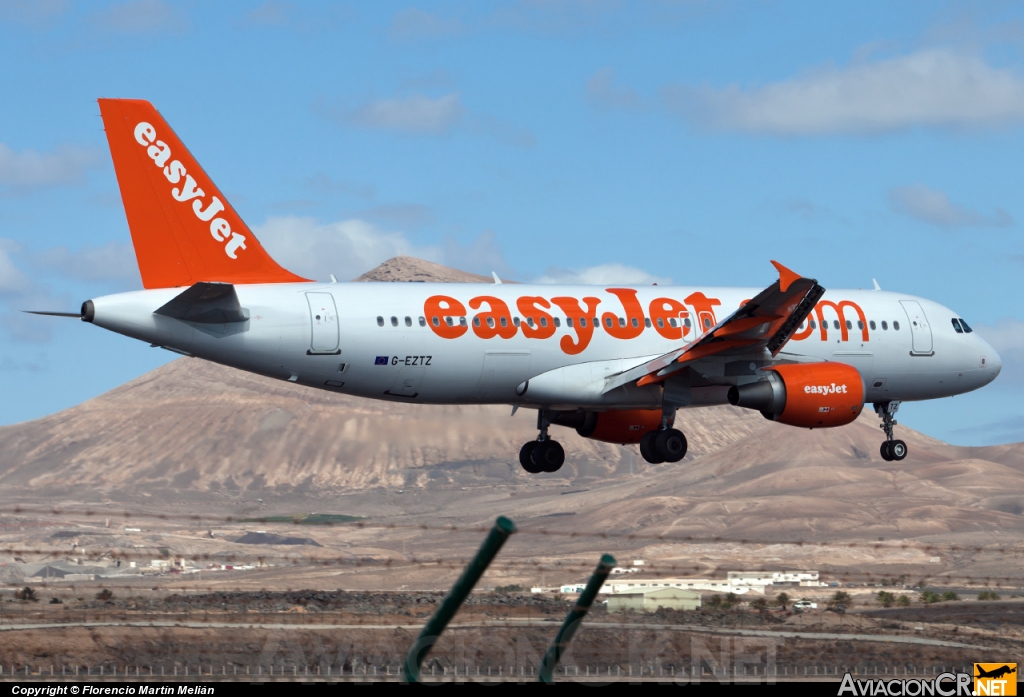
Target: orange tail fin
{"points": [[183, 229]]}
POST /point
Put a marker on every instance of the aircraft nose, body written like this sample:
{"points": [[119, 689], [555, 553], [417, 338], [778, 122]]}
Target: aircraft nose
{"points": [[992, 362]]}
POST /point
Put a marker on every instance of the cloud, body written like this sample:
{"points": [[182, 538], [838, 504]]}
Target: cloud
{"points": [[415, 23], [19, 292], [407, 215], [114, 261], [602, 90], [29, 169], [1007, 338], [33, 12], [347, 248], [934, 207], [140, 17], [930, 88], [322, 183], [602, 275], [414, 114], [12, 281], [419, 114]]}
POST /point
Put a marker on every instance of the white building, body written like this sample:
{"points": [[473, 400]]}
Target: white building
{"points": [[767, 578], [695, 584]]}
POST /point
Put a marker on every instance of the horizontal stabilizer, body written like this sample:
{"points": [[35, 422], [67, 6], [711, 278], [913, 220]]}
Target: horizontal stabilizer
{"points": [[206, 303]]}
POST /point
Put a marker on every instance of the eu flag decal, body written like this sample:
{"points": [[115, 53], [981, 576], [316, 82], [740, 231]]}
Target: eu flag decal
{"points": [[380, 360]]}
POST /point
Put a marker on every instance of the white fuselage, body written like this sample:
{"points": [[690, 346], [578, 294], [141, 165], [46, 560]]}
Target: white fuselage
{"points": [[380, 340]]}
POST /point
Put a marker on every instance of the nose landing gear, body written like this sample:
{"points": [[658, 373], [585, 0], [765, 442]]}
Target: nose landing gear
{"points": [[891, 449], [543, 454]]}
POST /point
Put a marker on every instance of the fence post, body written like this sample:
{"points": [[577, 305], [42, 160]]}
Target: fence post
{"points": [[575, 618], [503, 527]]}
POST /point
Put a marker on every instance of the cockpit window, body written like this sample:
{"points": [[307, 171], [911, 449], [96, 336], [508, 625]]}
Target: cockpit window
{"points": [[967, 329], [956, 326]]}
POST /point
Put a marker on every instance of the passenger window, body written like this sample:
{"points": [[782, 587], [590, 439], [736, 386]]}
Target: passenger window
{"points": [[885, 325], [635, 322], [707, 323], [835, 323], [622, 321], [967, 329], [956, 326], [558, 322], [408, 321], [462, 321], [380, 321], [671, 320], [476, 321], [583, 321], [490, 322], [449, 321], [529, 321], [568, 321], [686, 322], [896, 326], [608, 322], [434, 320], [647, 322], [423, 321], [849, 324], [860, 325], [814, 325], [543, 321], [872, 325], [394, 321], [515, 321], [504, 321]]}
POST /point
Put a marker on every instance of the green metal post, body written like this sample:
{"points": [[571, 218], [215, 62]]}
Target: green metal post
{"points": [[503, 527], [574, 619]]}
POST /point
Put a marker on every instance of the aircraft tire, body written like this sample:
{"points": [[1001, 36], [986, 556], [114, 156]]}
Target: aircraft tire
{"points": [[526, 457], [548, 456], [670, 445], [898, 450], [647, 449], [886, 451]]}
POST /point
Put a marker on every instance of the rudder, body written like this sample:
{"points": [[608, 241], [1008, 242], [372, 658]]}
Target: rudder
{"points": [[183, 228]]}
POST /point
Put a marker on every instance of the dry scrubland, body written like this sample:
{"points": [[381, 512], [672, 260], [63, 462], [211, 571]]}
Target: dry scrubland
{"points": [[192, 449]]}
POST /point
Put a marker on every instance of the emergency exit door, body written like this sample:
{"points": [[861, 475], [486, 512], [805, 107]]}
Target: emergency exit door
{"points": [[323, 317]]}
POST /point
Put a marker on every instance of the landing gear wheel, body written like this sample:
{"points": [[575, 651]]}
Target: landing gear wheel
{"points": [[526, 457], [648, 450], [898, 449], [548, 456], [670, 445], [886, 450]]}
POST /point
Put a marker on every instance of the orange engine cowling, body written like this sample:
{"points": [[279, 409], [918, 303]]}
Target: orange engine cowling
{"points": [[808, 395], [622, 426]]}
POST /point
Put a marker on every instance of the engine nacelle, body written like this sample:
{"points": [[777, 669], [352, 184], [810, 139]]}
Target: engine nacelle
{"points": [[623, 426], [808, 395]]}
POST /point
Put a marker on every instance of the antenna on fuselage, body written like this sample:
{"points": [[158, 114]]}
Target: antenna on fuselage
{"points": [[497, 281]]}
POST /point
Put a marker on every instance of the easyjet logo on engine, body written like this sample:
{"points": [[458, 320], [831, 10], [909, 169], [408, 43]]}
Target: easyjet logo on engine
{"points": [[188, 190], [825, 389]]}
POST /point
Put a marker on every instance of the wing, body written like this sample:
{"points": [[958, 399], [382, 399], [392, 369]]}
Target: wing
{"points": [[764, 323]]}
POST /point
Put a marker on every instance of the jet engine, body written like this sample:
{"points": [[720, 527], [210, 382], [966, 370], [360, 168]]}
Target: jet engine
{"points": [[623, 426], [808, 395]]}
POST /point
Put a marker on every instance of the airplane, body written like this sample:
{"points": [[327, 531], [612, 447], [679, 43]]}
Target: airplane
{"points": [[617, 363]]}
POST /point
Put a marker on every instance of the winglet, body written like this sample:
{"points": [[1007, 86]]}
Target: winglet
{"points": [[786, 277], [877, 287], [497, 281]]}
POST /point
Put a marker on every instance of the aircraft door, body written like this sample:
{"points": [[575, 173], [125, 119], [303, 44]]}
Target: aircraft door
{"points": [[919, 329], [502, 372], [323, 317]]}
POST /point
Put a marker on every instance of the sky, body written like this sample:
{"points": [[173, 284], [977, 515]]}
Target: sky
{"points": [[589, 141]]}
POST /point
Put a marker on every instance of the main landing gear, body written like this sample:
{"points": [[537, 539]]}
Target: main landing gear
{"points": [[543, 454], [891, 449], [664, 445]]}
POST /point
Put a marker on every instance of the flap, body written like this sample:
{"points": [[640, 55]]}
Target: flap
{"points": [[206, 303], [764, 323]]}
